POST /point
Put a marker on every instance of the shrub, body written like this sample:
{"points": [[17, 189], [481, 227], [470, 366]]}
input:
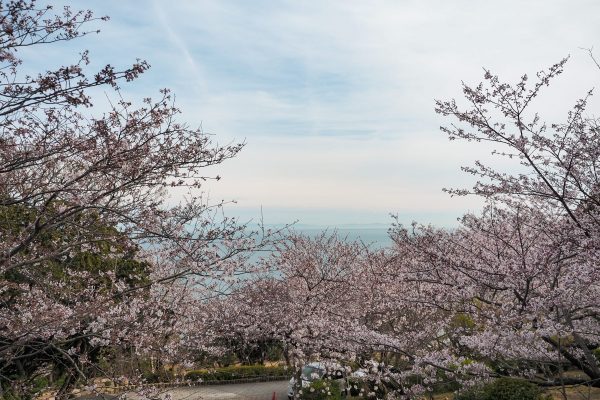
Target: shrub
{"points": [[475, 393], [503, 389], [159, 376], [236, 372], [322, 390]]}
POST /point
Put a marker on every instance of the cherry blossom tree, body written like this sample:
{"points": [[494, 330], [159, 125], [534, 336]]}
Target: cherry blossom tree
{"points": [[93, 251], [558, 185], [306, 298], [515, 289], [509, 287]]}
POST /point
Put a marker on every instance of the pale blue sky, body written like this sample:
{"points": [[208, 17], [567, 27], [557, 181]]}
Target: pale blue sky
{"points": [[335, 98]]}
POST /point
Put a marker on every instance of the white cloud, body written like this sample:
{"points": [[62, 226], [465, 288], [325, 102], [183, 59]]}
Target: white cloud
{"points": [[335, 98]]}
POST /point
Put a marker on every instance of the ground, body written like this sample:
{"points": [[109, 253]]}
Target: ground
{"points": [[249, 391], [573, 393], [245, 391]]}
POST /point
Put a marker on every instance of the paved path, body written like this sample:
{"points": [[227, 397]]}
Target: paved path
{"points": [[239, 391], [247, 391]]}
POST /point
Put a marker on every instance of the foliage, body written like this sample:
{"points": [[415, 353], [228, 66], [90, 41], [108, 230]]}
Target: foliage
{"points": [[94, 254], [308, 304], [502, 389], [69, 279], [245, 351], [236, 372]]}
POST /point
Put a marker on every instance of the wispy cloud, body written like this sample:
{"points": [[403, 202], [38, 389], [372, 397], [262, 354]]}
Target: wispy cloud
{"points": [[335, 98], [197, 75]]}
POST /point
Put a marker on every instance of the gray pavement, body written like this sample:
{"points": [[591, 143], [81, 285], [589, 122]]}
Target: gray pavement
{"points": [[238, 391], [247, 391]]}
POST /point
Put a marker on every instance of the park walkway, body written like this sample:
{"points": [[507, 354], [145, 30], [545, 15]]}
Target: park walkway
{"points": [[249, 391], [238, 391]]}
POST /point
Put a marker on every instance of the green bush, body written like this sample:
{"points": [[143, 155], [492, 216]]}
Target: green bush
{"points": [[475, 393], [236, 372], [322, 390], [503, 389], [160, 375]]}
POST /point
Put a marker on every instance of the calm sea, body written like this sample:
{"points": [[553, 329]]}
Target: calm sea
{"points": [[374, 236]]}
